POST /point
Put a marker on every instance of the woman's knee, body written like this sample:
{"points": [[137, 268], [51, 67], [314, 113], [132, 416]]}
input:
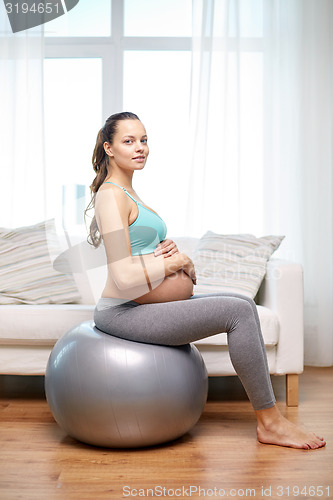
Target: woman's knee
{"points": [[243, 309], [247, 299]]}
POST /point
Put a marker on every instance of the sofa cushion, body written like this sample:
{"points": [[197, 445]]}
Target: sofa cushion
{"points": [[46, 323], [21, 324], [27, 275], [232, 263]]}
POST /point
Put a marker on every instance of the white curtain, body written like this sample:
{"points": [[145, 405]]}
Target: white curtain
{"points": [[298, 155], [225, 183], [22, 165], [261, 129]]}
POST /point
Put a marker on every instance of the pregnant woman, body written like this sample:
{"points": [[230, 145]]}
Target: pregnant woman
{"points": [[148, 296]]}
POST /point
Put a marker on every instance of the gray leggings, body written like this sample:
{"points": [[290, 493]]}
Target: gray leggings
{"points": [[184, 321]]}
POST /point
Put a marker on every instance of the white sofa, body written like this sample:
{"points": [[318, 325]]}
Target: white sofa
{"points": [[28, 332]]}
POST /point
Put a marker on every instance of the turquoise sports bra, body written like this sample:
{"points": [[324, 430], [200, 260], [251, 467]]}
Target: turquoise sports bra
{"points": [[147, 230]]}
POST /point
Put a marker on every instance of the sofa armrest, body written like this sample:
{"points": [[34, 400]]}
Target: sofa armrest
{"points": [[282, 291]]}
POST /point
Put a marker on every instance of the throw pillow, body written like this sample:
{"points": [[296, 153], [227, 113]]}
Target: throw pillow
{"points": [[232, 263], [27, 275]]}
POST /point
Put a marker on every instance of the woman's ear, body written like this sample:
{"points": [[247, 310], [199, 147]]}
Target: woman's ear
{"points": [[108, 149]]}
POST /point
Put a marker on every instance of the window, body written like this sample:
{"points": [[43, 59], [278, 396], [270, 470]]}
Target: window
{"points": [[103, 57], [112, 55], [87, 19], [73, 108], [166, 18]]}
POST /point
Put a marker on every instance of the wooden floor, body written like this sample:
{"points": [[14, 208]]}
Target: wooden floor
{"points": [[220, 455]]}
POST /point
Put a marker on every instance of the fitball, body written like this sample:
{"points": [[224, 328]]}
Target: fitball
{"points": [[107, 391]]}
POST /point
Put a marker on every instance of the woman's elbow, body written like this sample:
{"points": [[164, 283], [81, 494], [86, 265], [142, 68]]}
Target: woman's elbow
{"points": [[126, 281], [122, 281]]}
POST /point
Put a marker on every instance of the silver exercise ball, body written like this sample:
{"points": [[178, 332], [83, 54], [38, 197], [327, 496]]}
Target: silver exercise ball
{"points": [[106, 391]]}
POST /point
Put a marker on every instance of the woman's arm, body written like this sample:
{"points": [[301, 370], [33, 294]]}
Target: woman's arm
{"points": [[112, 210]]}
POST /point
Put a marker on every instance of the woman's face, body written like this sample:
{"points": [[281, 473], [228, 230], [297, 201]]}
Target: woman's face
{"points": [[129, 149]]}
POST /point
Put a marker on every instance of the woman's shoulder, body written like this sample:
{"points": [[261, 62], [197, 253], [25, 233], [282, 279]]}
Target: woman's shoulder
{"points": [[107, 186], [109, 191], [109, 199]]}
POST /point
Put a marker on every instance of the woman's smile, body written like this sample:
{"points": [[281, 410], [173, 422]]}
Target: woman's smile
{"points": [[139, 159]]}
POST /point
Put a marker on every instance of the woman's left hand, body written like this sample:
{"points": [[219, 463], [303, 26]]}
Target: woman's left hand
{"points": [[167, 248]]}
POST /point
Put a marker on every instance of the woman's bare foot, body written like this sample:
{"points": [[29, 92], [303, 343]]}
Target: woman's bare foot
{"points": [[274, 428]]}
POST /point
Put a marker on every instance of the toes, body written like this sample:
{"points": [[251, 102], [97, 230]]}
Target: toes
{"points": [[321, 442], [321, 438], [315, 444]]}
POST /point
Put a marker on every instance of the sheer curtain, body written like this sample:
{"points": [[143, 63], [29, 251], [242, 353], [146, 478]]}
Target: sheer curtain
{"points": [[261, 131], [22, 165], [298, 154], [225, 183]]}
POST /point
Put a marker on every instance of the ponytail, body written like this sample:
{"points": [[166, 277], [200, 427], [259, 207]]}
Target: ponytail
{"points": [[100, 161]]}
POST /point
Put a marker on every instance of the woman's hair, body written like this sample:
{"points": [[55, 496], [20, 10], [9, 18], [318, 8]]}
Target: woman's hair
{"points": [[100, 161]]}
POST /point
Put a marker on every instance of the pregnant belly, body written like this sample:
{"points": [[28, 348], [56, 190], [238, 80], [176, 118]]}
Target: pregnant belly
{"points": [[177, 286]]}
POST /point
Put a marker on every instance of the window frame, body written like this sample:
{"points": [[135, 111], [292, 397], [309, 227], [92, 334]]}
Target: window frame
{"points": [[111, 50]]}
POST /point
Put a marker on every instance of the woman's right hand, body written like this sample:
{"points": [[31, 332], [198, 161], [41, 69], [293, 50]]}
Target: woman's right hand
{"points": [[188, 268]]}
